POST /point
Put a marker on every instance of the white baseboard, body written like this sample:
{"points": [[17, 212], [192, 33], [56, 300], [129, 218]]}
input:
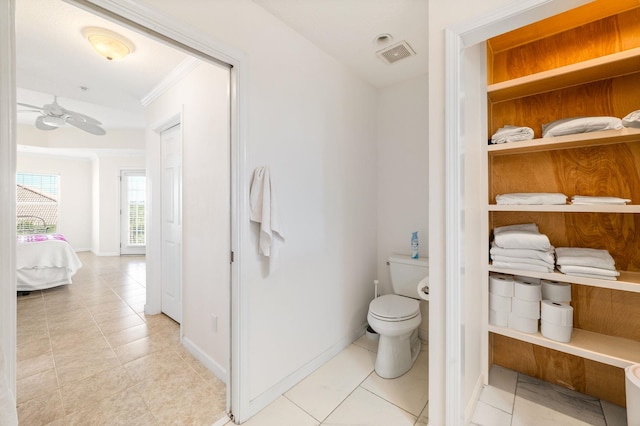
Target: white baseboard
{"points": [[210, 363], [223, 421], [473, 401], [274, 392]]}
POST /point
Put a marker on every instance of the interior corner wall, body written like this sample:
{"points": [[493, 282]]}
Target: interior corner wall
{"points": [[202, 99], [74, 212], [403, 177], [314, 124]]}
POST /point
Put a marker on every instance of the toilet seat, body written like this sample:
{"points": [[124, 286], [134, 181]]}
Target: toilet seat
{"points": [[393, 308]]}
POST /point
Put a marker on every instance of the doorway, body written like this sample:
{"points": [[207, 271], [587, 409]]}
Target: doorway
{"points": [[133, 238]]}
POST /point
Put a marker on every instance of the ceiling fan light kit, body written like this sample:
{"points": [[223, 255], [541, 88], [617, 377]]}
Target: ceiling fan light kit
{"points": [[107, 43]]}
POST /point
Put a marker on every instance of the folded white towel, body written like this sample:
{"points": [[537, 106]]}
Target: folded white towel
{"points": [[539, 262], [585, 199], [512, 134], [572, 269], [598, 277], [524, 236], [523, 266], [571, 126], [580, 256], [531, 198], [264, 210], [632, 119], [545, 255]]}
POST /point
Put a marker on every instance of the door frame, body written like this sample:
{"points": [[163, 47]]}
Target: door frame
{"points": [[123, 174]]}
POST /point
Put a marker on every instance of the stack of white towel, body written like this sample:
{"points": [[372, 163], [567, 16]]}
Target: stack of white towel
{"points": [[585, 199], [512, 134], [522, 247], [531, 198], [586, 262]]}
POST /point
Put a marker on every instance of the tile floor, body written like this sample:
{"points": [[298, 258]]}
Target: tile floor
{"points": [[514, 399], [88, 355], [347, 391]]}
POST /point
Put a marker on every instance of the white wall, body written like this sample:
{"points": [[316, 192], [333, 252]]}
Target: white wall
{"points": [[314, 124], [202, 97], [74, 208], [107, 213], [403, 177]]}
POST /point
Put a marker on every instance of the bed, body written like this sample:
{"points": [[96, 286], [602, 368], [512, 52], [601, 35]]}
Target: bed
{"points": [[43, 260]]}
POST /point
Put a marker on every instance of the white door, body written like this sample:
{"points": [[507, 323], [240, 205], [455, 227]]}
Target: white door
{"points": [[171, 278], [133, 212]]}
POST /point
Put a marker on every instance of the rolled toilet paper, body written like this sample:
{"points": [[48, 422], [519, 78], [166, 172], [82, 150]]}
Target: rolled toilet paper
{"points": [[559, 333], [525, 278], [423, 288], [499, 303], [498, 318], [501, 284], [525, 308], [556, 291], [527, 290], [557, 313], [525, 325]]}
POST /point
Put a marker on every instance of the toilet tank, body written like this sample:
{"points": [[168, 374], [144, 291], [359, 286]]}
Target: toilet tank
{"points": [[406, 273]]}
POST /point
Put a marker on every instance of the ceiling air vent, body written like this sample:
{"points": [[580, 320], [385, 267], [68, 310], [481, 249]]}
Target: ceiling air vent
{"points": [[396, 52]]}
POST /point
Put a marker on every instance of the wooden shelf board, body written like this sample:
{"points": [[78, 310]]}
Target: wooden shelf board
{"points": [[609, 350], [566, 208], [614, 65], [627, 281], [580, 140]]}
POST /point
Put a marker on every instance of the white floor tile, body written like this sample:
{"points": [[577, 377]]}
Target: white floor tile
{"points": [[322, 391], [368, 343], [409, 391], [528, 413], [281, 412], [501, 390], [423, 420], [614, 414], [486, 415], [364, 408]]}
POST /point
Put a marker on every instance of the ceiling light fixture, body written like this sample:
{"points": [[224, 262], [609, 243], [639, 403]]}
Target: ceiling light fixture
{"points": [[107, 43]]}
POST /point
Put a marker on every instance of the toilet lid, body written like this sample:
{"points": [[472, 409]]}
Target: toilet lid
{"points": [[392, 307]]}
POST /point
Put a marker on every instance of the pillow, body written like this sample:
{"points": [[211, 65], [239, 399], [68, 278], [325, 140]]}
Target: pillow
{"points": [[570, 126], [632, 119]]}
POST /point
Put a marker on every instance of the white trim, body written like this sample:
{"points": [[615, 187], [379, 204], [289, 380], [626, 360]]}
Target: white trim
{"points": [[219, 371], [473, 401], [514, 15], [8, 194], [177, 74]]}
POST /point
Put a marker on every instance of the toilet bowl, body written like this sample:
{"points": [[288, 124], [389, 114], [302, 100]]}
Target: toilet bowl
{"points": [[632, 390], [396, 319]]}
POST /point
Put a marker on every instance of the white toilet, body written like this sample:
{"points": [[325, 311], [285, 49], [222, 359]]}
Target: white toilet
{"points": [[396, 317]]}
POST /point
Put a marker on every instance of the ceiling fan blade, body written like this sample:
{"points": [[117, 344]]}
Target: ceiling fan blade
{"points": [[86, 126], [42, 126], [30, 106], [83, 117]]}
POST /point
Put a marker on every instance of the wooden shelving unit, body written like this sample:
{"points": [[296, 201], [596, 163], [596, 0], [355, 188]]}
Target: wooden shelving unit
{"points": [[538, 80]]}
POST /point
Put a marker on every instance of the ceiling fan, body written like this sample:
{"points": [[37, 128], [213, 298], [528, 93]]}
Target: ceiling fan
{"points": [[53, 116]]}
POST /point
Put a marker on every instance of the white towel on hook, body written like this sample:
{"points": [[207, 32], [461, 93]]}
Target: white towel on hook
{"points": [[264, 210]]}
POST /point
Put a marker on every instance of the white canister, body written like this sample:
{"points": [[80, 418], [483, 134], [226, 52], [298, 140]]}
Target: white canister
{"points": [[525, 308], [559, 333], [525, 325], [499, 318], [557, 313], [527, 290], [501, 284], [556, 291], [499, 303]]}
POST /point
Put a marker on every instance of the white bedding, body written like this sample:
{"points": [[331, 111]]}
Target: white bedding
{"points": [[45, 264]]}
